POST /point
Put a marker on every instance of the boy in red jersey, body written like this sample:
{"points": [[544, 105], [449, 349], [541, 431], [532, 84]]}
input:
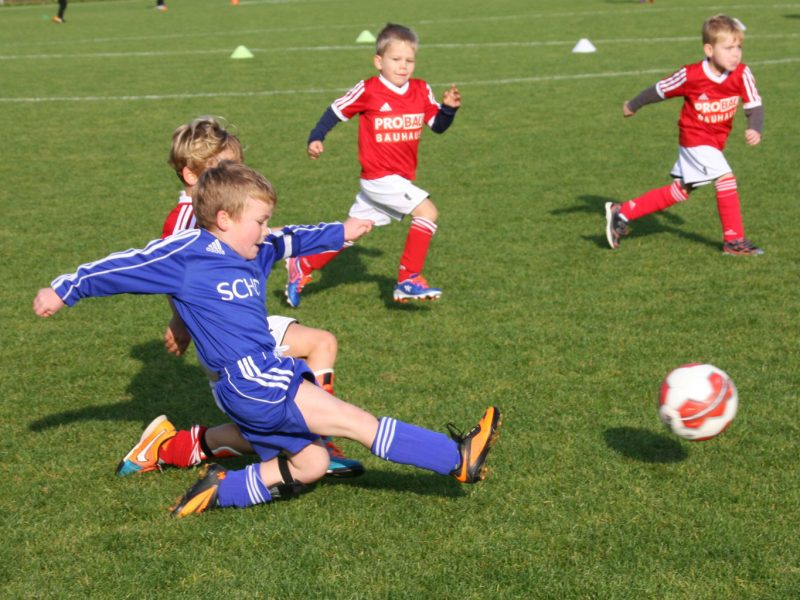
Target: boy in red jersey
{"points": [[197, 146], [711, 90], [393, 108]]}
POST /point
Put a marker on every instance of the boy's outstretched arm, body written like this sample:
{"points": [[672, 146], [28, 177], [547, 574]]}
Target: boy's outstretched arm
{"points": [[176, 336], [327, 121], [648, 96], [47, 303], [451, 102], [755, 123], [355, 228], [452, 97]]}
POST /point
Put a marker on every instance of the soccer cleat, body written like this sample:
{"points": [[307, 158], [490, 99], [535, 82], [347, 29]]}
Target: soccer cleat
{"points": [[144, 455], [474, 446], [741, 247], [202, 496], [297, 281], [341, 466], [57, 20], [415, 288], [616, 225], [161, 7]]}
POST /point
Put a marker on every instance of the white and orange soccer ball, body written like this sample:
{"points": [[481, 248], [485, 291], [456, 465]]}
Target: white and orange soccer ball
{"points": [[697, 402]]}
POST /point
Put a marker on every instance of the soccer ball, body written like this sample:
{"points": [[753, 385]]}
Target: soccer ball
{"points": [[697, 402]]}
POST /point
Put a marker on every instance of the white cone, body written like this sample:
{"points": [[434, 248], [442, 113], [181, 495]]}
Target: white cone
{"points": [[584, 46]]}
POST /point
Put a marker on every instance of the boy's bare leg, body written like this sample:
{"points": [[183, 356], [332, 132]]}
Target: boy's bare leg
{"points": [[307, 466], [317, 346], [228, 437], [327, 415], [461, 455]]}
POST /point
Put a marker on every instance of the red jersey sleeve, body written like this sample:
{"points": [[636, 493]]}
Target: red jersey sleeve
{"points": [[432, 107], [750, 94], [180, 218], [674, 85], [352, 103]]}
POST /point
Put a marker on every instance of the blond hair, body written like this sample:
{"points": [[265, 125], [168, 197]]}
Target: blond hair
{"points": [[393, 32], [719, 25], [196, 144], [227, 187]]}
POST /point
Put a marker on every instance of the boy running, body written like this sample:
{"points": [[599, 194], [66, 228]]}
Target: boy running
{"points": [[711, 90], [392, 108]]}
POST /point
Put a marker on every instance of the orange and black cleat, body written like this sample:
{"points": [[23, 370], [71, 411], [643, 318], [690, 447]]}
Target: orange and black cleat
{"points": [[202, 496], [474, 446]]}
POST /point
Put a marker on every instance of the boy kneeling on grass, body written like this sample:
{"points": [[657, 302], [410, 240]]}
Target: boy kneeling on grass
{"points": [[217, 276]]}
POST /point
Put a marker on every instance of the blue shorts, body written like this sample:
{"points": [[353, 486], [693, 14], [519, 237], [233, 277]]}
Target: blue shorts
{"points": [[257, 392]]}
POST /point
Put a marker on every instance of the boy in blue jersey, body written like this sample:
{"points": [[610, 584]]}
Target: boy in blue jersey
{"points": [[202, 143], [217, 278]]}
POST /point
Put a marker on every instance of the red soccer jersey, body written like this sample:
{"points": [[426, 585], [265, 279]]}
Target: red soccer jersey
{"points": [[181, 217], [710, 101], [390, 124]]}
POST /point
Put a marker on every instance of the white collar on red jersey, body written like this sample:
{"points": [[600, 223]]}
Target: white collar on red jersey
{"points": [[184, 198], [713, 76], [397, 90]]}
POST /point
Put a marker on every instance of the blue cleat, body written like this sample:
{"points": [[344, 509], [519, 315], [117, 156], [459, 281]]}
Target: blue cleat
{"points": [[297, 281], [340, 466], [415, 288]]}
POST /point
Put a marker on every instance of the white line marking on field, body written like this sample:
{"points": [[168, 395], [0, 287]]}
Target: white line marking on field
{"points": [[464, 84], [649, 11], [350, 48]]}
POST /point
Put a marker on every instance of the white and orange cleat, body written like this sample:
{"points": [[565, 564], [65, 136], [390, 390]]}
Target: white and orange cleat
{"points": [[143, 456]]}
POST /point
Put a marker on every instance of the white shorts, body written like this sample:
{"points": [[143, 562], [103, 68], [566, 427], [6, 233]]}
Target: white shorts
{"points": [[278, 326], [700, 165], [387, 198]]}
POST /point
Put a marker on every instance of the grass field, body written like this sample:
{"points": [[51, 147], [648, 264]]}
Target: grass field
{"points": [[589, 496]]}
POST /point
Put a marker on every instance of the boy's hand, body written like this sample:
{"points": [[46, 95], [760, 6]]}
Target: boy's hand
{"points": [[752, 137], [315, 148], [355, 228], [452, 97], [47, 303], [176, 337], [626, 110]]}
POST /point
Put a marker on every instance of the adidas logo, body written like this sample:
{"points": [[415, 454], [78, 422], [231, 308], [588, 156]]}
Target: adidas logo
{"points": [[215, 248], [702, 97], [386, 107]]}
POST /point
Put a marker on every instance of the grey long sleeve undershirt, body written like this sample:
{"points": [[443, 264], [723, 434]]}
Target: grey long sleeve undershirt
{"points": [[755, 115]]}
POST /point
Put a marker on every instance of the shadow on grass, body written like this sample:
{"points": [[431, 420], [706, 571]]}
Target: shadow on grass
{"points": [[644, 445], [346, 268], [164, 385], [663, 222], [421, 483]]}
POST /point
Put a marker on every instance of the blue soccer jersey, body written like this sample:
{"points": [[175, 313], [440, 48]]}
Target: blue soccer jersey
{"points": [[218, 294], [220, 297]]}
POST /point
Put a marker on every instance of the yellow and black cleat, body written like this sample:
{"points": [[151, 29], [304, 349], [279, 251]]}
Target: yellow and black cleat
{"points": [[474, 446], [202, 496]]}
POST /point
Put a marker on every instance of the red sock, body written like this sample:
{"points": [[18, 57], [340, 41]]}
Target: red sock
{"points": [[730, 214], [316, 261], [415, 251], [184, 449], [325, 379], [653, 201]]}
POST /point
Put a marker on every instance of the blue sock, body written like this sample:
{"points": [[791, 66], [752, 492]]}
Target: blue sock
{"points": [[411, 445], [242, 488]]}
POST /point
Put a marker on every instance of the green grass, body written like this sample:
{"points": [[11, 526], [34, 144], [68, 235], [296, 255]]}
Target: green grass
{"points": [[589, 496]]}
